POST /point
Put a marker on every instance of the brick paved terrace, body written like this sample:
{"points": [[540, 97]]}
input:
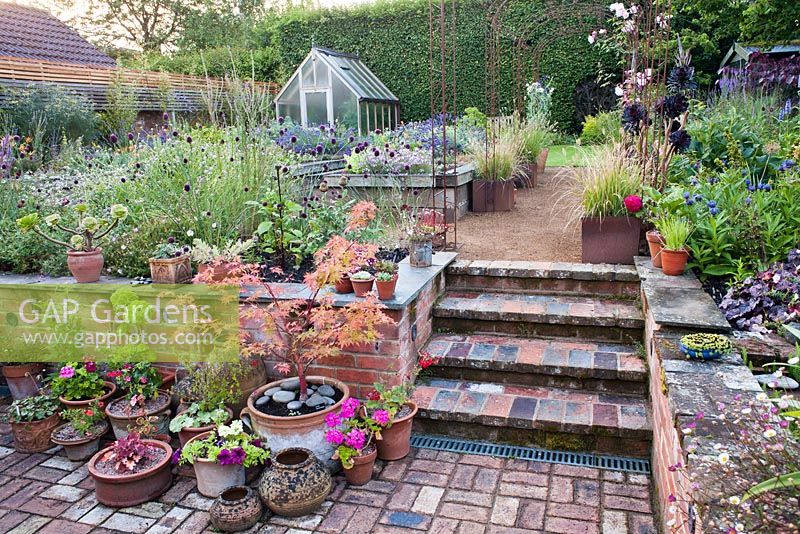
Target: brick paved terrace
{"points": [[427, 491]]}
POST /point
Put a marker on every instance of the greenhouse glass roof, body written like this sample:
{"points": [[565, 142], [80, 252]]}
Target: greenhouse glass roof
{"points": [[357, 76]]}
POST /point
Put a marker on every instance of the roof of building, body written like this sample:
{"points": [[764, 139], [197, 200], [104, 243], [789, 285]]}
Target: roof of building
{"points": [[27, 32], [741, 52]]}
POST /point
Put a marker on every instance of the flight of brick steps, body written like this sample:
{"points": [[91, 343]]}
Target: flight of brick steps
{"points": [[539, 354]]}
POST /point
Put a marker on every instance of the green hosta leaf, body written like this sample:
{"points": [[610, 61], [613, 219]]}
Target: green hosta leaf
{"points": [[779, 482]]}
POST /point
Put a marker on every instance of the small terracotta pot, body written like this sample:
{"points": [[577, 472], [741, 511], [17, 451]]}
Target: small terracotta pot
{"points": [[655, 242], [81, 449], [395, 442], [34, 436], [213, 478], [110, 390], [386, 289], [296, 484], [120, 424], [189, 433], [171, 270], [362, 287], [23, 379], [361, 472], [236, 509], [121, 490], [673, 262], [85, 266], [344, 285]]}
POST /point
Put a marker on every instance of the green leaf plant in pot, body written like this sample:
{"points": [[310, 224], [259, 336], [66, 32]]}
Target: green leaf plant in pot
{"points": [[143, 405], [80, 384], [675, 232], [84, 257], [32, 419], [80, 436], [386, 279], [170, 263], [497, 161]]}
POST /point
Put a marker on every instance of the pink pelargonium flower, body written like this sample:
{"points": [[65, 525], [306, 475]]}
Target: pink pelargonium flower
{"points": [[381, 417], [334, 436], [333, 420], [349, 408], [67, 372], [355, 439], [90, 366], [633, 203]]}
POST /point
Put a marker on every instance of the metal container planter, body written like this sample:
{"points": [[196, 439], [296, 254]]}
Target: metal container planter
{"points": [[171, 270], [34, 436], [492, 195], [306, 431], [80, 449], [122, 490], [296, 484], [610, 239], [23, 379], [212, 477], [421, 253], [395, 442]]}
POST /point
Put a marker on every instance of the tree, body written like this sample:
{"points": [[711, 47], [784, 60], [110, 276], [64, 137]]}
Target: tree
{"points": [[771, 21]]}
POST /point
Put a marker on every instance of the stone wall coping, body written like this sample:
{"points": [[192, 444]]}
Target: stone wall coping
{"points": [[542, 269], [463, 174]]}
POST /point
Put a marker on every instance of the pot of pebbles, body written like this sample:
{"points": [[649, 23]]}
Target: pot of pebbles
{"points": [[277, 414]]}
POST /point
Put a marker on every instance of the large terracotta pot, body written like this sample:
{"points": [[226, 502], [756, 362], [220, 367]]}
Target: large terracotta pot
{"points": [[307, 431], [120, 490], [213, 478], [110, 390], [255, 378], [189, 433], [34, 436], [81, 449], [386, 289], [85, 266], [655, 243], [361, 472], [236, 509], [120, 424], [673, 262], [610, 239], [23, 379], [492, 195], [296, 484], [171, 270], [395, 442]]}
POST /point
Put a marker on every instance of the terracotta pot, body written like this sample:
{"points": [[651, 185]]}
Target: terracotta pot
{"points": [[34, 436], [167, 377], [24, 379], [296, 484], [237, 508], [80, 449], [386, 289], [255, 378], [218, 272], [673, 262], [541, 160], [121, 490], [189, 433], [344, 285], [85, 266], [306, 431], [362, 287], [421, 254], [492, 195], [110, 390], [395, 442], [610, 239], [213, 478], [361, 472], [171, 270], [120, 424], [655, 242]]}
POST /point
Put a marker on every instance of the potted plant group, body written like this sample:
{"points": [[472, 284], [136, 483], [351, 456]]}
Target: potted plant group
{"points": [[215, 262], [84, 257], [362, 282], [386, 279], [32, 419], [675, 231], [220, 457], [79, 385], [142, 403], [496, 165], [170, 264], [23, 379], [210, 387], [352, 432], [131, 471], [80, 436]]}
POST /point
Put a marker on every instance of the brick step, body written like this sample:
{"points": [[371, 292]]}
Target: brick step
{"points": [[605, 319], [553, 418], [610, 368], [544, 277]]}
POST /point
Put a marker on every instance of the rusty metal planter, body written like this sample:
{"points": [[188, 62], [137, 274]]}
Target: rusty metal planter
{"points": [[610, 239], [491, 195]]}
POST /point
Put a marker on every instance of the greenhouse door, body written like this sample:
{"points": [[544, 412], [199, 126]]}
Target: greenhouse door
{"points": [[317, 108]]}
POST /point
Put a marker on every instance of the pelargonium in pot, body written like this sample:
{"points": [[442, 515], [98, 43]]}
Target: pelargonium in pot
{"points": [[84, 257], [142, 400], [352, 432], [220, 457], [79, 385], [32, 419], [80, 436]]}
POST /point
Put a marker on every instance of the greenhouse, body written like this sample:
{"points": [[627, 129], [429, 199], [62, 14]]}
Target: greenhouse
{"points": [[333, 87]]}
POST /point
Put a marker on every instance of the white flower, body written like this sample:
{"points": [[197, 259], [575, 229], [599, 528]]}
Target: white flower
{"points": [[724, 458], [762, 397], [591, 38], [634, 9], [602, 31], [687, 431], [234, 429], [734, 500], [214, 225], [619, 91], [793, 361], [769, 433], [190, 233], [746, 411]]}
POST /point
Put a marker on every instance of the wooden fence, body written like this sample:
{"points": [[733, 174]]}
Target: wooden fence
{"points": [[155, 91]]}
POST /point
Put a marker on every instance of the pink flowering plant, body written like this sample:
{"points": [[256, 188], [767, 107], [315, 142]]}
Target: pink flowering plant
{"points": [[139, 380], [384, 403], [227, 445], [77, 381], [352, 430]]}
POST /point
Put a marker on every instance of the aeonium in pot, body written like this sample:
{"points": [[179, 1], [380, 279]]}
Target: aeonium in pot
{"points": [[84, 257], [386, 279], [80, 436], [352, 432]]}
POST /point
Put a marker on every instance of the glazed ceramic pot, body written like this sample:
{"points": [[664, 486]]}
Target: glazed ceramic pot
{"points": [[34, 436], [655, 243], [109, 387], [386, 289], [296, 484], [344, 285], [362, 287], [24, 379], [121, 490], [85, 266], [237, 508], [79, 449], [395, 442], [673, 262], [158, 417], [188, 433], [171, 270], [213, 478], [306, 431], [361, 472]]}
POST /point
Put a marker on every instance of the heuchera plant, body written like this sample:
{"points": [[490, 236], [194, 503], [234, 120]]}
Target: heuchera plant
{"points": [[128, 453]]}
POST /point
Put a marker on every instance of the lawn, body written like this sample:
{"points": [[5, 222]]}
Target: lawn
{"points": [[569, 155]]}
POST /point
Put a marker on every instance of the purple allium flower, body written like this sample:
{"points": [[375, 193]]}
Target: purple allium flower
{"points": [[280, 120], [112, 139], [293, 139], [189, 139], [130, 136], [681, 140], [333, 140], [381, 417], [187, 187], [174, 133], [170, 240], [66, 372], [166, 116], [334, 436]]}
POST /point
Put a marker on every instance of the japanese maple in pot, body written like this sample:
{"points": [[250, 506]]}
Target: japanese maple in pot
{"points": [[80, 385], [143, 405], [131, 471], [32, 419], [352, 431], [80, 436]]}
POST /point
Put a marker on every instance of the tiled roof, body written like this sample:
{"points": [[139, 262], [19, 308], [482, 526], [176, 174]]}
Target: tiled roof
{"points": [[26, 32]]}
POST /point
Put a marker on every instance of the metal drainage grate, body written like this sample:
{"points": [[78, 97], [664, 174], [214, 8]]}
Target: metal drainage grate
{"points": [[616, 463]]}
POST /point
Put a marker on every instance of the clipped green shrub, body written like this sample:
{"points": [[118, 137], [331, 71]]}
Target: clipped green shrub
{"points": [[601, 128]]}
